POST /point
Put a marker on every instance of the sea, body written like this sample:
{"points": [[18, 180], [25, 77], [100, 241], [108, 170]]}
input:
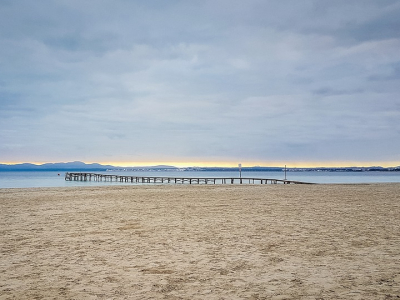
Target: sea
{"points": [[21, 179]]}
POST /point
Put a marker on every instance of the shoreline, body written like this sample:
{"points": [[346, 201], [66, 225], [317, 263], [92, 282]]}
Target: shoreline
{"points": [[138, 185], [330, 241]]}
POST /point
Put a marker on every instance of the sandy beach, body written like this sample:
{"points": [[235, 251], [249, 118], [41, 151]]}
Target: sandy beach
{"points": [[201, 242]]}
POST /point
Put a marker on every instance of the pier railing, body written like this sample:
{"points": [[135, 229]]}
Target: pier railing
{"points": [[174, 180]]}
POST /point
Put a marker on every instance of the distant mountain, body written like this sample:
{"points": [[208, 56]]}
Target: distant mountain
{"points": [[81, 166], [75, 165]]}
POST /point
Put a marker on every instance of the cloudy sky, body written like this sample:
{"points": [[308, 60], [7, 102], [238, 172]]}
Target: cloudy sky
{"points": [[210, 82]]}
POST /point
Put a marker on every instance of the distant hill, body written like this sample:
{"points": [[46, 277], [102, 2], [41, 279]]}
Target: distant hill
{"points": [[81, 166], [75, 165]]}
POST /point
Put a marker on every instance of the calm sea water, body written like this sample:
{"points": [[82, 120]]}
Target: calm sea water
{"points": [[56, 178]]}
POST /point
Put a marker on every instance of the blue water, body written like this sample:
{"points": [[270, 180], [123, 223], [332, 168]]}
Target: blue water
{"points": [[52, 179]]}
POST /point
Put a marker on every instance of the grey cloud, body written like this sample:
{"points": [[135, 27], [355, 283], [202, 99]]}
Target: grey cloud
{"points": [[392, 72], [329, 91], [256, 80], [384, 26]]}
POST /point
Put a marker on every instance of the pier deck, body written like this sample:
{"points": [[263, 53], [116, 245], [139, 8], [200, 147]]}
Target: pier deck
{"points": [[174, 180]]}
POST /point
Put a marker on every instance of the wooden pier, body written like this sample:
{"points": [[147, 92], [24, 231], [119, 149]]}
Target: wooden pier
{"points": [[174, 180]]}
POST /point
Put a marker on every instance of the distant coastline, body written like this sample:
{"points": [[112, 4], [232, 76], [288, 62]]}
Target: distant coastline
{"points": [[81, 166]]}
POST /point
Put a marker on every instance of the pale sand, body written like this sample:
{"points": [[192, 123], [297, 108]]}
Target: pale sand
{"points": [[201, 242]]}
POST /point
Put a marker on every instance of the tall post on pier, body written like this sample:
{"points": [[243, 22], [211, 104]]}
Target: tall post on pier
{"points": [[240, 170], [285, 172]]}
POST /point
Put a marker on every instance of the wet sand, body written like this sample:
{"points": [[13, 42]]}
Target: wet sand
{"points": [[201, 242]]}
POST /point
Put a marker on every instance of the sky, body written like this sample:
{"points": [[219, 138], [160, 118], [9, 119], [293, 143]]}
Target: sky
{"points": [[200, 83]]}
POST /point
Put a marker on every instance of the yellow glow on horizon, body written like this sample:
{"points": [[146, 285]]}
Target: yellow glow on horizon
{"points": [[255, 163], [289, 164]]}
